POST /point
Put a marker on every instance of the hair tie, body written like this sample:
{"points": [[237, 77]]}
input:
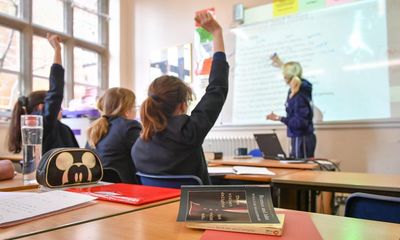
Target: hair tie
{"points": [[23, 101], [105, 116], [154, 97]]}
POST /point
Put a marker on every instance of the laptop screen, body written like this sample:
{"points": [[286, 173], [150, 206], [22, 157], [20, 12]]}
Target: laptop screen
{"points": [[270, 146]]}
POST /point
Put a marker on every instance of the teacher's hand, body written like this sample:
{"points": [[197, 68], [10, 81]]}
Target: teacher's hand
{"points": [[272, 116]]}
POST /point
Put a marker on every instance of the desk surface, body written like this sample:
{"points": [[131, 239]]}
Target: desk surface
{"points": [[100, 210], [16, 184], [260, 162], [160, 223], [348, 180]]}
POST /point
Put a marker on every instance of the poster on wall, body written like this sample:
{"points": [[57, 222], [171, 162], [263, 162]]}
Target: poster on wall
{"points": [[175, 61]]}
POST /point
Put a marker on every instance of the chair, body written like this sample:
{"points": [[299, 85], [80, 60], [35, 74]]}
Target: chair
{"points": [[256, 153], [373, 207], [169, 181], [111, 175]]}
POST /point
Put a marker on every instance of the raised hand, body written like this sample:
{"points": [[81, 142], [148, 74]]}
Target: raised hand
{"points": [[54, 40], [276, 61], [207, 21]]}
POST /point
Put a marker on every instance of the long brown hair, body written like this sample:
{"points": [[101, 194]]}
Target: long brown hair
{"points": [[115, 102], [24, 105], [164, 95]]}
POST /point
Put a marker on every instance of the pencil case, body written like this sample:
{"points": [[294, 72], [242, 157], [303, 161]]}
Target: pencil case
{"points": [[65, 167]]}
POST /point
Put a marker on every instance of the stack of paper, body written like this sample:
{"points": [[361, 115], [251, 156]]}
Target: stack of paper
{"points": [[21, 207]]}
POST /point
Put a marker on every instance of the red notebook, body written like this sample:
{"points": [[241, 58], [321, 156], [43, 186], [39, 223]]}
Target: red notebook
{"points": [[298, 225], [129, 193]]}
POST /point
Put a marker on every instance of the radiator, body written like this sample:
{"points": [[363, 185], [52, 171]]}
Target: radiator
{"points": [[227, 145]]}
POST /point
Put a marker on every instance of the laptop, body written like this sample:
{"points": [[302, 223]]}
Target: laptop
{"points": [[272, 149]]}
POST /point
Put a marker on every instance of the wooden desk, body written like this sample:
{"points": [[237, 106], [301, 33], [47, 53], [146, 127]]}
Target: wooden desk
{"points": [[260, 162], [100, 210], [339, 182], [160, 223], [16, 184]]}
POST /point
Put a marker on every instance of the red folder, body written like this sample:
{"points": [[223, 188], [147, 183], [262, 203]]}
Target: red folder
{"points": [[298, 225], [129, 193]]}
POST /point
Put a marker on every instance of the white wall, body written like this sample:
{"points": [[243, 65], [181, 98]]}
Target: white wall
{"points": [[160, 24]]}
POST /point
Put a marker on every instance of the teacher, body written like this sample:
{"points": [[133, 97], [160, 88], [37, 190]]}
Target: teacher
{"points": [[299, 111]]}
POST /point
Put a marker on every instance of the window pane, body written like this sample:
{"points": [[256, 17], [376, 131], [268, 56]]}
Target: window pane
{"points": [[10, 7], [43, 55], [86, 67], [85, 95], [90, 4], [86, 25], [9, 49], [8, 90], [40, 84], [52, 18]]}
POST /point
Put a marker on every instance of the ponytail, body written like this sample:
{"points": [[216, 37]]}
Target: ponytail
{"points": [[295, 84], [14, 131], [24, 105], [115, 102], [97, 130], [164, 95]]}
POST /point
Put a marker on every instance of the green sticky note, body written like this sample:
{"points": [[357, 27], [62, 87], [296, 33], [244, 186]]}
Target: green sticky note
{"points": [[309, 5], [204, 35]]}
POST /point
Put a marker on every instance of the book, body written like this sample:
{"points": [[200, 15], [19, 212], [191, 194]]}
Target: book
{"points": [[215, 171], [129, 193], [227, 204], [298, 225], [23, 207], [255, 228]]}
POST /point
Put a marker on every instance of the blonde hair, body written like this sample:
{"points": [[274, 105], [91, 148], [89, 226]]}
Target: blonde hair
{"points": [[114, 102], [292, 71], [164, 95]]}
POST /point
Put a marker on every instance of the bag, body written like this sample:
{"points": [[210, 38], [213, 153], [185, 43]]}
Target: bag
{"points": [[65, 167]]}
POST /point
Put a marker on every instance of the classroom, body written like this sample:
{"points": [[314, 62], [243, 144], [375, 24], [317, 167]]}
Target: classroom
{"points": [[299, 97]]}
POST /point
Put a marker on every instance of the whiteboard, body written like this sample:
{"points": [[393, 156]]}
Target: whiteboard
{"points": [[350, 53]]}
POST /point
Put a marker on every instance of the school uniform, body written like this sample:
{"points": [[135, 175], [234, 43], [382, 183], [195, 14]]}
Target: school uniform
{"points": [[299, 122], [55, 133], [178, 149], [114, 149]]}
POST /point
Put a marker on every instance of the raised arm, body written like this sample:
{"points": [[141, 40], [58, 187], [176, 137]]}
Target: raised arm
{"points": [[206, 112], [276, 61], [55, 94], [55, 41]]}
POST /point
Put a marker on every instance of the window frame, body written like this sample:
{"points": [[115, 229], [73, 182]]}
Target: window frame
{"points": [[28, 30]]}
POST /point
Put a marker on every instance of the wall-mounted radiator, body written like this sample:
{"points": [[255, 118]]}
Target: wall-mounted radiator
{"points": [[227, 145]]}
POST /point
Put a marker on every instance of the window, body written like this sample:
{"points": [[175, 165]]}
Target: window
{"points": [[9, 66], [10, 7], [86, 20], [42, 15], [83, 29], [86, 76]]}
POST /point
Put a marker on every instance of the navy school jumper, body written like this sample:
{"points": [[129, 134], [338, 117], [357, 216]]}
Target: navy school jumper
{"points": [[178, 149]]}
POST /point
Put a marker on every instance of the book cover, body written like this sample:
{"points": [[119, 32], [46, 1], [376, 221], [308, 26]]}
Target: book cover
{"points": [[129, 193], [227, 203], [298, 225]]}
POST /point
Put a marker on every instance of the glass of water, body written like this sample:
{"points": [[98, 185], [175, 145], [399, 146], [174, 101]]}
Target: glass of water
{"points": [[32, 133]]}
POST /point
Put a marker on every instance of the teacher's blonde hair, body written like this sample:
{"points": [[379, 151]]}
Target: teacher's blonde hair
{"points": [[292, 72]]}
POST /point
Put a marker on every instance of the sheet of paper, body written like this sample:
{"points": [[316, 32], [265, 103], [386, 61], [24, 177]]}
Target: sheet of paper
{"points": [[220, 170], [8, 195], [252, 170], [29, 206]]}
